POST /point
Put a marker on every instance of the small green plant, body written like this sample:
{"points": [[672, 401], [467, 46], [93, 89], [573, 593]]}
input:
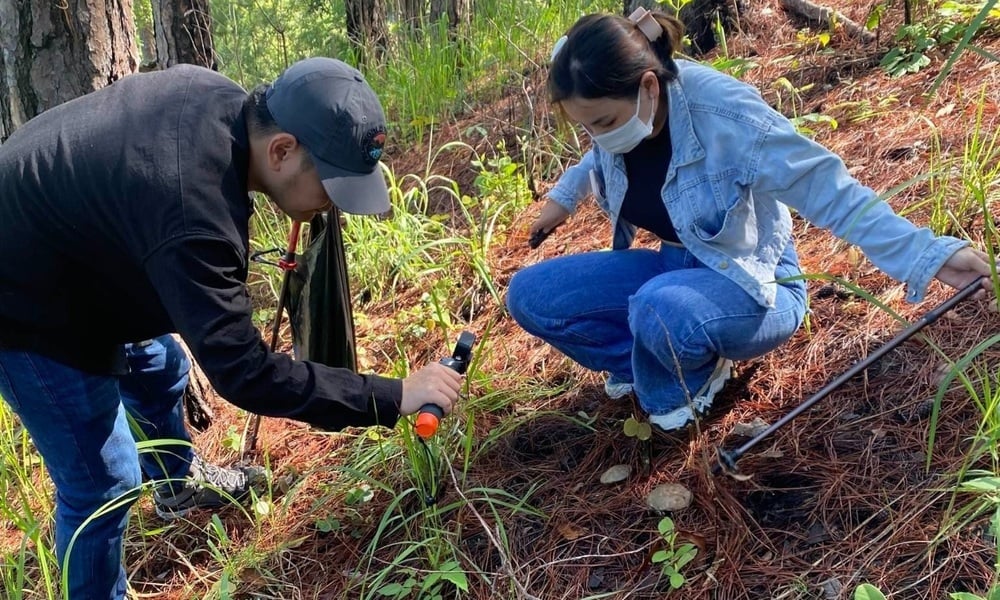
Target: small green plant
{"points": [[803, 123], [359, 495], [994, 594], [673, 558], [951, 23], [987, 16], [328, 524], [867, 591], [731, 65], [432, 585], [815, 41], [862, 111], [913, 43], [789, 101], [676, 5], [233, 440], [640, 430], [875, 15]]}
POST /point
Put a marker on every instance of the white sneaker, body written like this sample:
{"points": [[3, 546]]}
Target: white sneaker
{"points": [[680, 417], [617, 389]]}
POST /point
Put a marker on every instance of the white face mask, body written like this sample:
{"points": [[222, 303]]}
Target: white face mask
{"points": [[627, 136]]}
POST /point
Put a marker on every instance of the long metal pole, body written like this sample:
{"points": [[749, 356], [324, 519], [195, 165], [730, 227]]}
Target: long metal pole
{"points": [[287, 264], [727, 460]]}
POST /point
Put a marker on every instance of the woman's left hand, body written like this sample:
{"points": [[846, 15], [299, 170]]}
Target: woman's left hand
{"points": [[964, 267]]}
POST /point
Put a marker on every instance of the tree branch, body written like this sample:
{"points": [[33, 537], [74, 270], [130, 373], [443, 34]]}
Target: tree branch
{"points": [[827, 16]]}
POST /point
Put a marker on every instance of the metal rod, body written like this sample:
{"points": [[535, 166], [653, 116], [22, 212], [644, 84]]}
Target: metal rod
{"points": [[728, 460], [287, 264]]}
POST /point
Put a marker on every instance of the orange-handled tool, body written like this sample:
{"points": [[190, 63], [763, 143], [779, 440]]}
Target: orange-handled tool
{"points": [[431, 414]]}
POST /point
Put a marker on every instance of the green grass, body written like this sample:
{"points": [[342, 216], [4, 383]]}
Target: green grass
{"points": [[411, 546], [28, 507]]}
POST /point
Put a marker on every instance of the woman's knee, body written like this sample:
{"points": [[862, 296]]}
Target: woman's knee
{"points": [[522, 298]]}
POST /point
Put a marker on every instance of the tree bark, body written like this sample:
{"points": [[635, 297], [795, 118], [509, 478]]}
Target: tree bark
{"points": [[459, 12], [411, 13], [183, 33], [825, 16], [366, 28], [51, 52], [197, 409], [699, 18]]}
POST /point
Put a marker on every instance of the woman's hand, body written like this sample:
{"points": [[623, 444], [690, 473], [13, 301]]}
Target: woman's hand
{"points": [[551, 215], [433, 384], [964, 267]]}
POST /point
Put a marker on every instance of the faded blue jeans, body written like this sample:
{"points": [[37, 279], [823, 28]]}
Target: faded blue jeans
{"points": [[658, 319], [78, 423]]}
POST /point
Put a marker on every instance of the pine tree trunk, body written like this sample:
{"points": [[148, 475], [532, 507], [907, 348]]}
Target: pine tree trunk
{"points": [[411, 13], [699, 18], [51, 52], [183, 33], [459, 12], [366, 28]]}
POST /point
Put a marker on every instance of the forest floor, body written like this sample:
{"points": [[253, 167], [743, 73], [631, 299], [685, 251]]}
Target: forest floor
{"points": [[840, 496]]}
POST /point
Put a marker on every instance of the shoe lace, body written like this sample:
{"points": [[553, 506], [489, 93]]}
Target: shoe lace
{"points": [[220, 477]]}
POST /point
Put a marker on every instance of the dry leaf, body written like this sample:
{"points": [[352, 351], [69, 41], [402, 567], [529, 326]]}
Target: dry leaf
{"points": [[947, 109], [570, 532]]}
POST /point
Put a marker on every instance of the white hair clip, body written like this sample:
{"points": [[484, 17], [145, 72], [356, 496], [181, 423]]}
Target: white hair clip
{"points": [[559, 45], [646, 23]]}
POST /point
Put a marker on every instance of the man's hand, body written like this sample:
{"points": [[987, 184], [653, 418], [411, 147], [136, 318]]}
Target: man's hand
{"points": [[433, 384], [964, 267]]}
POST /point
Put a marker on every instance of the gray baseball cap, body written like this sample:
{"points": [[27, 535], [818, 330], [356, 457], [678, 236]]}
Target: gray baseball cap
{"points": [[331, 110]]}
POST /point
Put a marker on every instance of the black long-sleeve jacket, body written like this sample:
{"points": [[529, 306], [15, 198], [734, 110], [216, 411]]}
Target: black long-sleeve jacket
{"points": [[124, 215]]}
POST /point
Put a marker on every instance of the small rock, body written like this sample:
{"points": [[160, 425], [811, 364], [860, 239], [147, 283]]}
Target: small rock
{"points": [[669, 497], [817, 534], [596, 579], [832, 588], [615, 474], [751, 429]]}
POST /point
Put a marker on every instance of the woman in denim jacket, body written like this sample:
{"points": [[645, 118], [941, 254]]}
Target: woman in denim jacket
{"points": [[699, 159]]}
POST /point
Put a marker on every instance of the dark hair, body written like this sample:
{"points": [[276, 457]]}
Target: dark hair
{"points": [[605, 56], [260, 121]]}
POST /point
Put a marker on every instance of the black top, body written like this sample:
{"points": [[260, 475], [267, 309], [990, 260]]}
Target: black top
{"points": [[124, 215], [646, 166]]}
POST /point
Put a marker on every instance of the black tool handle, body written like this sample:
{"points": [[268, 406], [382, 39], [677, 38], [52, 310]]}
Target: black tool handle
{"points": [[430, 414], [728, 460]]}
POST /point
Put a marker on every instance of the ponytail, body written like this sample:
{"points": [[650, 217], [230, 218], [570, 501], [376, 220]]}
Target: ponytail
{"points": [[606, 55]]}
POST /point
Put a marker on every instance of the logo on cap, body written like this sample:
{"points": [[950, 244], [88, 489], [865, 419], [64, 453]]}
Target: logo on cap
{"points": [[374, 141]]}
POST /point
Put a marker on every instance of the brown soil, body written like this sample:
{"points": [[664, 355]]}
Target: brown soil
{"points": [[838, 497]]}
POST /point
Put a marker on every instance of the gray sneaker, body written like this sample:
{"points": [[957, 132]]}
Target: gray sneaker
{"points": [[680, 417], [206, 486], [617, 389]]}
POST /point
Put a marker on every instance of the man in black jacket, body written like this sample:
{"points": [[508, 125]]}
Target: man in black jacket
{"points": [[124, 217]]}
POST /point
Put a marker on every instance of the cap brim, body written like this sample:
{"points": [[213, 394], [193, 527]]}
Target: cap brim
{"points": [[356, 193]]}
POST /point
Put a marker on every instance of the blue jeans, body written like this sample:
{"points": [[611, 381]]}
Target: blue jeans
{"points": [[659, 319], [78, 423]]}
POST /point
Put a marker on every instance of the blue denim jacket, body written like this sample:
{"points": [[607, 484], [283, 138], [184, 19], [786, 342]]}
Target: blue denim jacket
{"points": [[737, 166]]}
